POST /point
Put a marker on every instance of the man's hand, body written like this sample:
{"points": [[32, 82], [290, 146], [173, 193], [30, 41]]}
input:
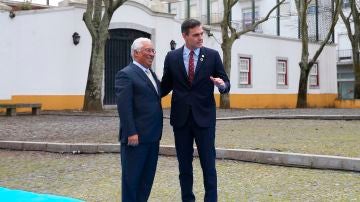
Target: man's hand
{"points": [[217, 82], [133, 140]]}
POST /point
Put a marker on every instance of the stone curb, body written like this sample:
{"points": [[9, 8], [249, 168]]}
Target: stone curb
{"points": [[311, 117], [87, 148], [265, 157]]}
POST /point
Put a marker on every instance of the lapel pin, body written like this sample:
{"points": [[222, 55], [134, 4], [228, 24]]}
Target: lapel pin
{"points": [[202, 58]]}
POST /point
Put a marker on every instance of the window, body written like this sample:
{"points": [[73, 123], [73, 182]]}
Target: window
{"points": [[215, 13], [193, 9], [173, 8], [311, 9], [244, 71], [247, 18], [282, 73], [346, 3], [285, 9], [314, 76]]}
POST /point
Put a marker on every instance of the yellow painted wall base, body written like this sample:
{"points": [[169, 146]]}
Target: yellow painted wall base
{"points": [[75, 102], [49, 102], [166, 101], [347, 104], [280, 101]]}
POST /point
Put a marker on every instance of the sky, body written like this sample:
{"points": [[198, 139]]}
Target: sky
{"points": [[52, 2]]}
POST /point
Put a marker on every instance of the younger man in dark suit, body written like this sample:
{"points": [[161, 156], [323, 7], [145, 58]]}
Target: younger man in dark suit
{"points": [[141, 121], [191, 73]]}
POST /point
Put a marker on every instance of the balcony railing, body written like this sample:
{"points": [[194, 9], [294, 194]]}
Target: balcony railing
{"points": [[344, 55]]}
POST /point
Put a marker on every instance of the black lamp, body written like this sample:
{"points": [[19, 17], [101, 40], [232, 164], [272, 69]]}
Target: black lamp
{"points": [[76, 38], [12, 14], [208, 32], [172, 45]]}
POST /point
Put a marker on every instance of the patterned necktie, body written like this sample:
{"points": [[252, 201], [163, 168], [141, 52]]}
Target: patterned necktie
{"points": [[150, 76], [191, 67]]}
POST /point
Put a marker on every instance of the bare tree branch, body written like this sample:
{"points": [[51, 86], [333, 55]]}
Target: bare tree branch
{"points": [[97, 18], [325, 41], [347, 24], [97, 14], [87, 17], [116, 4], [233, 3]]}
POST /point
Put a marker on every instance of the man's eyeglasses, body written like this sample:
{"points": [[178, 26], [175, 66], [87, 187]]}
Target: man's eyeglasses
{"points": [[149, 50]]}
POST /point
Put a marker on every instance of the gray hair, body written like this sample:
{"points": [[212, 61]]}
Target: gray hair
{"points": [[138, 44]]}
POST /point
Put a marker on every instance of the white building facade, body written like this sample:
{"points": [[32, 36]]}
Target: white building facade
{"points": [[283, 22], [40, 63]]}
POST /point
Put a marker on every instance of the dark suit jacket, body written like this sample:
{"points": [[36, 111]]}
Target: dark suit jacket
{"points": [[139, 105], [199, 96]]}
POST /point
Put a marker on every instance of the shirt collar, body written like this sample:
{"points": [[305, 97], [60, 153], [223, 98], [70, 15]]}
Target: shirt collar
{"points": [[141, 67], [187, 51]]}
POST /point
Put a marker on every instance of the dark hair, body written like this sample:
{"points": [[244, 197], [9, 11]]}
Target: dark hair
{"points": [[189, 24]]}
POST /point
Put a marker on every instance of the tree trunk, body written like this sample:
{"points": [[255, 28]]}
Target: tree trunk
{"points": [[302, 93], [93, 95], [356, 66], [226, 48]]}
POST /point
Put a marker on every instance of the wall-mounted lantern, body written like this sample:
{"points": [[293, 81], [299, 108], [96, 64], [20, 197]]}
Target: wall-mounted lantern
{"points": [[12, 14], [76, 38]]}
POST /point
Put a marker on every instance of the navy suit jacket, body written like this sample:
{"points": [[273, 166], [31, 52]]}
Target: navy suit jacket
{"points": [[198, 96], [139, 105]]}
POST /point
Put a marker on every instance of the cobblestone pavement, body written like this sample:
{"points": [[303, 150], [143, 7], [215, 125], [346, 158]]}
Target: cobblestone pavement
{"points": [[97, 178], [329, 137]]}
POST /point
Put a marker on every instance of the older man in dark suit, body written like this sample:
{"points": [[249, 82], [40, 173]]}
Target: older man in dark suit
{"points": [[141, 121], [191, 73]]}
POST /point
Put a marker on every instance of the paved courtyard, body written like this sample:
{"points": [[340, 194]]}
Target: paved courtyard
{"points": [[327, 137], [97, 177]]}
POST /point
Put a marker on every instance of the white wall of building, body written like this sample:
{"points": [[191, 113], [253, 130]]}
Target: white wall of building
{"points": [[38, 56]]}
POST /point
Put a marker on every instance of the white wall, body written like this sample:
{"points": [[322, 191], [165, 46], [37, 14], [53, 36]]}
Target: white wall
{"points": [[38, 56]]}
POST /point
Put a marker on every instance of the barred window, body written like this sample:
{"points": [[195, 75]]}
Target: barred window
{"points": [[247, 20]]}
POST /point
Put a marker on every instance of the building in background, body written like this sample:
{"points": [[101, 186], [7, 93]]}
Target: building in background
{"points": [[41, 62], [283, 22]]}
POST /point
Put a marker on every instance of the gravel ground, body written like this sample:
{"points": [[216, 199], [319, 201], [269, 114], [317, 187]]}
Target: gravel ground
{"points": [[97, 178], [328, 137]]}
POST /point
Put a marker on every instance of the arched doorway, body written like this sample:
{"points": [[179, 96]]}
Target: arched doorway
{"points": [[117, 56]]}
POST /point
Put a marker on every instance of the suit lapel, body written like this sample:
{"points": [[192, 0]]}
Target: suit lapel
{"points": [[199, 62], [199, 65], [180, 57], [142, 75], [157, 83]]}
